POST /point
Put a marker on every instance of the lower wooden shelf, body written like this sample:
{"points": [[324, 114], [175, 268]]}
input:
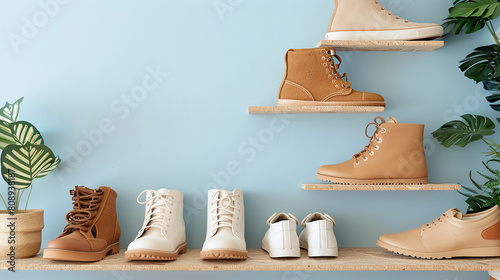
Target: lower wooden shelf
{"points": [[314, 109], [395, 46], [339, 187], [350, 259]]}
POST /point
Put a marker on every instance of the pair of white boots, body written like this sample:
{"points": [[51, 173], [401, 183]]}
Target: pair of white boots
{"points": [[163, 233], [282, 241]]}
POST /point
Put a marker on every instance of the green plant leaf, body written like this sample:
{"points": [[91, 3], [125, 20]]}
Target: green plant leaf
{"points": [[19, 133], [27, 162], [482, 64], [456, 25], [477, 8], [460, 133], [49, 169], [10, 112]]}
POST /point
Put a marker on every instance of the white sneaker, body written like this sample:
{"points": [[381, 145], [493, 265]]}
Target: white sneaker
{"points": [[318, 237], [225, 226], [163, 234], [281, 239]]}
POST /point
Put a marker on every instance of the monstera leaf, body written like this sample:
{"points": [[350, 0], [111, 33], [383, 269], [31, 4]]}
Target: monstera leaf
{"points": [[10, 112], [22, 164], [489, 9], [482, 64], [460, 133], [19, 133]]}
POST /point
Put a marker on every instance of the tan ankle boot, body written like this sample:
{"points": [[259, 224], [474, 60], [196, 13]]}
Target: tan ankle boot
{"points": [[92, 231], [369, 20], [312, 79], [395, 155]]}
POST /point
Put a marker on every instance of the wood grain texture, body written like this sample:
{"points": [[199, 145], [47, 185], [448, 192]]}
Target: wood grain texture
{"points": [[339, 187], [393, 46], [314, 109], [350, 259]]}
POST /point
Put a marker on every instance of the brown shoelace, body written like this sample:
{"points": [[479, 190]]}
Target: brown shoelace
{"points": [[332, 69], [374, 140], [86, 202]]}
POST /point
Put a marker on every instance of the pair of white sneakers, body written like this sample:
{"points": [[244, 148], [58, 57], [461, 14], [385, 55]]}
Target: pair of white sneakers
{"points": [[163, 233], [281, 239]]}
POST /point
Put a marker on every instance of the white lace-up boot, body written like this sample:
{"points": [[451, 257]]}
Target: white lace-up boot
{"points": [[281, 239], [163, 234], [318, 237], [225, 226]]}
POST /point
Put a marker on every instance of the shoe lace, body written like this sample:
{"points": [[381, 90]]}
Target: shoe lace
{"points": [[374, 140], [225, 213], [86, 203], [440, 219], [389, 12], [158, 210], [332, 69]]}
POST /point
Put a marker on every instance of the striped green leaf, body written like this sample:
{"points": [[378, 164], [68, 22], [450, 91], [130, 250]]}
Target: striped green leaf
{"points": [[51, 168], [19, 133], [10, 112], [22, 164]]}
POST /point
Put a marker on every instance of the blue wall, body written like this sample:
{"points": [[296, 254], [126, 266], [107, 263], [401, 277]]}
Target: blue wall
{"points": [[78, 69]]}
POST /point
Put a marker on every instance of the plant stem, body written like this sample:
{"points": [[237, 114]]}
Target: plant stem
{"points": [[6, 207], [491, 28], [27, 199]]}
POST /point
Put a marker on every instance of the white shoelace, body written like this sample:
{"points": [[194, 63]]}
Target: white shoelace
{"points": [[224, 214], [158, 212]]}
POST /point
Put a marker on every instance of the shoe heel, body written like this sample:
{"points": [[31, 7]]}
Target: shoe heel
{"points": [[183, 249], [115, 249]]}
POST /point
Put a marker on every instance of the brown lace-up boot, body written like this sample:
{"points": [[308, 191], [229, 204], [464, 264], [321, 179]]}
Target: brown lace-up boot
{"points": [[395, 155], [92, 231], [312, 79]]}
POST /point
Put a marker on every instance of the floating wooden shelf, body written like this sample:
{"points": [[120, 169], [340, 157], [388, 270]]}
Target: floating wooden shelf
{"points": [[339, 187], [393, 46], [349, 259], [314, 109]]}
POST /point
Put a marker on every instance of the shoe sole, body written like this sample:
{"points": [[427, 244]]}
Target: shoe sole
{"points": [[79, 256], [343, 181], [319, 252], [471, 252], [290, 102], [422, 33], [281, 253], [154, 255], [223, 254]]}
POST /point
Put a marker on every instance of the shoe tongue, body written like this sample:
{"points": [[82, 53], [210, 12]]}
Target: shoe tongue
{"points": [[454, 212], [392, 120]]}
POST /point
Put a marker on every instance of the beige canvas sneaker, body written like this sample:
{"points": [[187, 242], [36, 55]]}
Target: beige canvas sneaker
{"points": [[451, 235], [369, 20]]}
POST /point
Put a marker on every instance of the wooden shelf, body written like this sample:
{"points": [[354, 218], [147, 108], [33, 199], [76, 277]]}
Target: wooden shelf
{"points": [[349, 259], [314, 109], [339, 187], [393, 46]]}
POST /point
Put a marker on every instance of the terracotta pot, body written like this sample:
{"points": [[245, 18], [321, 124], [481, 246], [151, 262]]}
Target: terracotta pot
{"points": [[27, 233]]}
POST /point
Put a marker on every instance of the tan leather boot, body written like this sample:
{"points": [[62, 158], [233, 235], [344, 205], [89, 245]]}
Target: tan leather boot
{"points": [[395, 155], [451, 235], [369, 20], [92, 231], [312, 79]]}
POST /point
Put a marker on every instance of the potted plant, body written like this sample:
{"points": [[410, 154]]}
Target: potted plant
{"points": [[24, 158]]}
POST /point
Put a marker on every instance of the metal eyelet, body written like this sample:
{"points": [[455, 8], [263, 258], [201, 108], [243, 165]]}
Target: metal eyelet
{"points": [[383, 130], [323, 58], [376, 147], [371, 153], [357, 163], [324, 64], [379, 140], [337, 86], [329, 59], [365, 159]]}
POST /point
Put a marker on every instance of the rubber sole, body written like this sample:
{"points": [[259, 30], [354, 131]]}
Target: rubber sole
{"points": [[320, 252], [281, 253], [344, 181], [410, 34], [154, 255], [290, 102], [222, 254], [79, 256], [470, 252]]}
